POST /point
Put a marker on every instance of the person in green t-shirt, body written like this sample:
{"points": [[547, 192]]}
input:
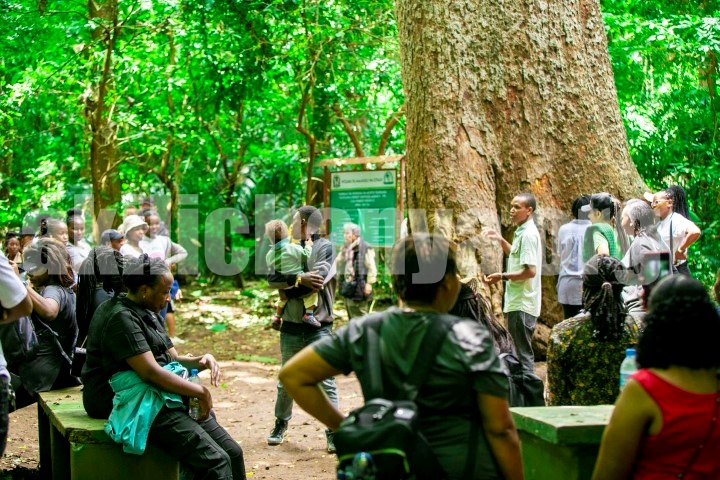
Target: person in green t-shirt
{"points": [[606, 235], [523, 288]]}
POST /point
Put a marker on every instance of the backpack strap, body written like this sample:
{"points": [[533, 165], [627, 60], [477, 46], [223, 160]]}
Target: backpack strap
{"points": [[433, 339], [429, 347]]}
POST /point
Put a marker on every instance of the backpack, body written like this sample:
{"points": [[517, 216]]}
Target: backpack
{"points": [[19, 342], [526, 389], [387, 429]]}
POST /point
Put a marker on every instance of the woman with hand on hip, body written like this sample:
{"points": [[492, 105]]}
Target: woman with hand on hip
{"points": [[676, 231]]}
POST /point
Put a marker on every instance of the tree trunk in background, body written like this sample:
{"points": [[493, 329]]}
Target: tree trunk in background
{"points": [[102, 129], [506, 97]]}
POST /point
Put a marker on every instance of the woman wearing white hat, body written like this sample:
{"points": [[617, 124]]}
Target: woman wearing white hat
{"points": [[134, 227]]}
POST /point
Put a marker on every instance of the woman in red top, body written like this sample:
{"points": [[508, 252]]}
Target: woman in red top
{"points": [[665, 423]]}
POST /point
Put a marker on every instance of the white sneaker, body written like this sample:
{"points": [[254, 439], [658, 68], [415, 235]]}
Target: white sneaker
{"points": [[177, 340]]}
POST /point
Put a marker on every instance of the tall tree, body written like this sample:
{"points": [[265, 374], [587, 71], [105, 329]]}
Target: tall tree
{"points": [[99, 109], [503, 98]]}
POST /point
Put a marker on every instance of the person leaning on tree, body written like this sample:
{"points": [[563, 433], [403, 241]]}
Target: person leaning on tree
{"points": [[357, 271], [523, 289]]}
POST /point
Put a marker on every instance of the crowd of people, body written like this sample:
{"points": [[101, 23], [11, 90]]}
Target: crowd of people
{"points": [[116, 300]]}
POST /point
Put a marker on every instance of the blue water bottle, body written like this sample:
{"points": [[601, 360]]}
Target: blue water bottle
{"points": [[364, 466]]}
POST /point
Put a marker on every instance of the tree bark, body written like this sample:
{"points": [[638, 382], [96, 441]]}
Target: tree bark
{"points": [[506, 97], [102, 129]]}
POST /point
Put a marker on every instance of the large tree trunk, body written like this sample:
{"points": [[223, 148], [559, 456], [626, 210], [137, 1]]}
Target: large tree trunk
{"points": [[505, 97]]}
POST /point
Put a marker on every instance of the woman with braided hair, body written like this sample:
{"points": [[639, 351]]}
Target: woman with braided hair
{"points": [[585, 352], [50, 277], [100, 279], [674, 228]]}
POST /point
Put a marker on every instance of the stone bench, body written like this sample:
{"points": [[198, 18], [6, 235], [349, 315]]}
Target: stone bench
{"points": [[75, 446], [560, 442]]}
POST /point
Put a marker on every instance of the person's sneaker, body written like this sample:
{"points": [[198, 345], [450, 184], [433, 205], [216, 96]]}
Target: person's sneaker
{"points": [[309, 318], [330, 436], [277, 435]]}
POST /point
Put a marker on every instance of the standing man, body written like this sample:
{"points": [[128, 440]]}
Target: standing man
{"points": [[294, 333], [357, 271], [523, 289]]}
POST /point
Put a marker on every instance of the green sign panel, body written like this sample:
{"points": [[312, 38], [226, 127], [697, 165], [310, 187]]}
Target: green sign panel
{"points": [[367, 198]]}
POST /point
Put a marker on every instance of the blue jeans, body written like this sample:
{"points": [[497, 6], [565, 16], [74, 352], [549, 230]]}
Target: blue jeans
{"points": [[290, 344], [521, 326]]}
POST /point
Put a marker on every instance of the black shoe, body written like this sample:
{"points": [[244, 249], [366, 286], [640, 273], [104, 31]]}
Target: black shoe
{"points": [[277, 436], [330, 436]]}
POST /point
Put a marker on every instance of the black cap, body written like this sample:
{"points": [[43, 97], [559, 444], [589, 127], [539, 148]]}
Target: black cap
{"points": [[599, 201], [109, 235]]}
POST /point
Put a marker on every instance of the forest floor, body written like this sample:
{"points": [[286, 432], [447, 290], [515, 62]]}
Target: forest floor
{"points": [[233, 325]]}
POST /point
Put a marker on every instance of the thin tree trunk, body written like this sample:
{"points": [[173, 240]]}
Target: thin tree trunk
{"points": [[103, 131]]}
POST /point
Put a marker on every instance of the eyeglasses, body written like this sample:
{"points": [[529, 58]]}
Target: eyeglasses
{"points": [[655, 202]]}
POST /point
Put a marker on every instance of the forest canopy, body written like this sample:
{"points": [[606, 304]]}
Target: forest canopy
{"points": [[229, 99]]}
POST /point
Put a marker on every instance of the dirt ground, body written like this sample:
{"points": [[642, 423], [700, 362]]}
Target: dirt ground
{"points": [[232, 325]]}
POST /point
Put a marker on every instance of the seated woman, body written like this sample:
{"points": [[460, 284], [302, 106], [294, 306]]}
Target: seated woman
{"points": [[665, 421], [50, 277], [126, 334], [585, 352], [466, 383]]}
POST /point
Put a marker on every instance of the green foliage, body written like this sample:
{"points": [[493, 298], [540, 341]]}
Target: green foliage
{"points": [[664, 56], [209, 98]]}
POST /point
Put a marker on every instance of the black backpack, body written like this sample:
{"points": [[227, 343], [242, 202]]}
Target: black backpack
{"points": [[387, 429]]}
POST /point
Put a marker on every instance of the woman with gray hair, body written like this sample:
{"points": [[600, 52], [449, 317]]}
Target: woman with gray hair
{"points": [[638, 221]]}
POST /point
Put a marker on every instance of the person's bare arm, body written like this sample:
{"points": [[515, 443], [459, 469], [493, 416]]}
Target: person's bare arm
{"points": [[691, 236], [301, 375], [25, 307], [492, 234], [46, 308], [204, 362], [527, 272], [151, 372], [629, 422], [499, 428]]}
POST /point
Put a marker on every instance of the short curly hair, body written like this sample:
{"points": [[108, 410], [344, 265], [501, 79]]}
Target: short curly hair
{"points": [[276, 230], [681, 327], [419, 265], [142, 271]]}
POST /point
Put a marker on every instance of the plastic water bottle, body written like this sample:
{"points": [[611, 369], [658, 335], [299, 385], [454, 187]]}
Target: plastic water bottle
{"points": [[194, 402], [627, 367], [364, 466]]}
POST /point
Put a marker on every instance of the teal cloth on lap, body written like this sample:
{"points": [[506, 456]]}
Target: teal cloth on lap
{"points": [[135, 406]]}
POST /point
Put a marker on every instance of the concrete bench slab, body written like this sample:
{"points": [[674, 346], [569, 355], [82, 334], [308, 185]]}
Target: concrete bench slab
{"points": [[75, 446], [560, 442]]}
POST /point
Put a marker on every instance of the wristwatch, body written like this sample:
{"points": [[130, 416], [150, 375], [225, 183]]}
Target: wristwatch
{"points": [[298, 280]]}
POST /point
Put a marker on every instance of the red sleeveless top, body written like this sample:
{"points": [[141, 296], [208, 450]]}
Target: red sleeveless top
{"points": [[687, 419]]}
